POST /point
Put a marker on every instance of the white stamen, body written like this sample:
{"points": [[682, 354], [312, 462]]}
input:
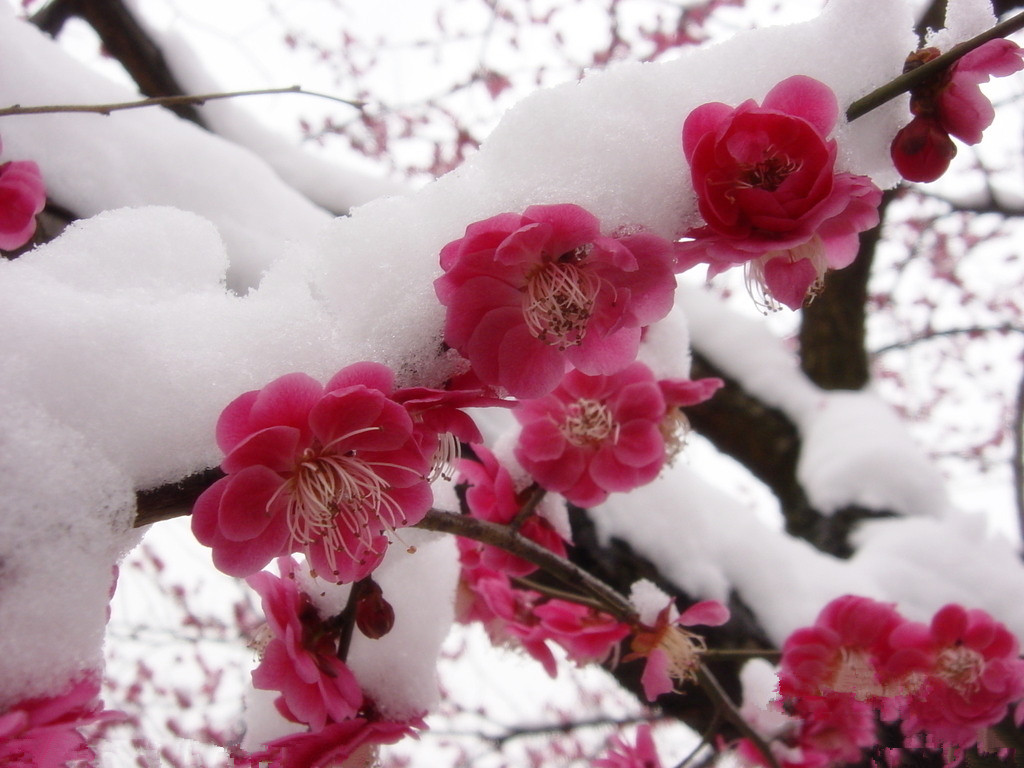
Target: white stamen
{"points": [[753, 273], [589, 422], [558, 302]]}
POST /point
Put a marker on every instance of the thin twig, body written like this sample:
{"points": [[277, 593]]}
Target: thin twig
{"points": [[346, 620], [533, 495], [721, 699], [971, 331], [165, 101], [914, 77], [705, 740]]}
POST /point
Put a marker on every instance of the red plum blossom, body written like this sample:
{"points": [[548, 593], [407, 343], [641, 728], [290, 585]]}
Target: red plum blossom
{"points": [[975, 674], [325, 470], [768, 189], [844, 651], [671, 653], [946, 681], [529, 294], [594, 435]]}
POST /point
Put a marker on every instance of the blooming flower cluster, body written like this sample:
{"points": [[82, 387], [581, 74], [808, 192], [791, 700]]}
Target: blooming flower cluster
{"points": [[548, 310], [950, 104], [22, 197], [299, 659], [946, 682]]}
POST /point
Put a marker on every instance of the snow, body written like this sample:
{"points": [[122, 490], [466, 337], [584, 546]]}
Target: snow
{"points": [[856, 451], [649, 601], [93, 162], [66, 519], [743, 349], [329, 184]]}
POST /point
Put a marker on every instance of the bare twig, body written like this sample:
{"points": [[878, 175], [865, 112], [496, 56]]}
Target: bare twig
{"points": [[969, 331], [164, 101], [909, 80]]}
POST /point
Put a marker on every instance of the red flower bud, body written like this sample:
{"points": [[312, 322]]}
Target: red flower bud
{"points": [[374, 615], [922, 151]]}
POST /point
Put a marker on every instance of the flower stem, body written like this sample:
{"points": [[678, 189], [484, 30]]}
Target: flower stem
{"points": [[914, 77], [533, 496]]}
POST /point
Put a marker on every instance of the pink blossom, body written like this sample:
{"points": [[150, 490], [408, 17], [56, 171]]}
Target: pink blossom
{"points": [[350, 743], [531, 619], [300, 657], [586, 634], [963, 110], [506, 613], [491, 495], [950, 104], [324, 470], [594, 435], [528, 294], [769, 192], [974, 677], [844, 651], [624, 755], [671, 652], [43, 732], [22, 197]]}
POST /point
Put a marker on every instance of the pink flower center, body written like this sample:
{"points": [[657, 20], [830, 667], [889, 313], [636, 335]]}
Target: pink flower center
{"points": [[856, 674], [589, 423], [338, 498], [559, 299], [674, 428], [769, 173], [960, 668]]}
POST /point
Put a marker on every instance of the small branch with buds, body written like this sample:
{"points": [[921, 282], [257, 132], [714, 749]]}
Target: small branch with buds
{"points": [[915, 77]]}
